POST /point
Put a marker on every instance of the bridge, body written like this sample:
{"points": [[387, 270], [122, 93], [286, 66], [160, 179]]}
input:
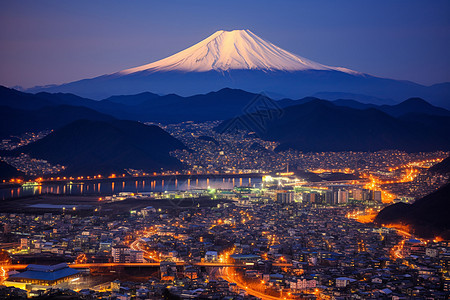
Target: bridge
{"points": [[151, 264]]}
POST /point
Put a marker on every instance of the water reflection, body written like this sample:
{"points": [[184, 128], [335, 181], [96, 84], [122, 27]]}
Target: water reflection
{"points": [[110, 187]]}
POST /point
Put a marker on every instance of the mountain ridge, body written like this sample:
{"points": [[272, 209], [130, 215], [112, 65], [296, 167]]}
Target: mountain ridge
{"points": [[223, 104], [320, 125], [15, 121], [106, 147], [427, 216]]}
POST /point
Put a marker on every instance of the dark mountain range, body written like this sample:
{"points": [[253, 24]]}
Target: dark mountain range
{"points": [[297, 84], [409, 106], [26, 101], [105, 147], [133, 99], [7, 172], [21, 100], [413, 106], [285, 102], [428, 216], [333, 96], [207, 107], [438, 125], [223, 104], [309, 124], [353, 104], [322, 126], [443, 167], [106, 106], [17, 121]]}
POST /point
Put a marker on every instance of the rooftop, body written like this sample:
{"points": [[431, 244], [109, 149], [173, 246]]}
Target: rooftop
{"points": [[48, 273]]}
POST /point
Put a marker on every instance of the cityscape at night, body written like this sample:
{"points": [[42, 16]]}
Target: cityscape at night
{"points": [[185, 150]]}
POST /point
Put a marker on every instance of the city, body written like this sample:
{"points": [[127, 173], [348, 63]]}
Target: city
{"points": [[234, 150], [304, 231]]}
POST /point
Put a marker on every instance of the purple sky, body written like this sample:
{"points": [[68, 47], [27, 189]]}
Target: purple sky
{"points": [[52, 42]]}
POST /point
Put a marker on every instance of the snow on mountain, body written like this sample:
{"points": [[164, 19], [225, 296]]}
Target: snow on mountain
{"points": [[239, 59], [238, 50]]}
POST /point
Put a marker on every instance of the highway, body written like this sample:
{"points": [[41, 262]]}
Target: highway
{"points": [[226, 275]]}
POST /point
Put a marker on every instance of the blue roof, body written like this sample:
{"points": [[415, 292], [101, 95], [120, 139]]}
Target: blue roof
{"points": [[48, 273], [414, 241], [346, 279], [330, 259]]}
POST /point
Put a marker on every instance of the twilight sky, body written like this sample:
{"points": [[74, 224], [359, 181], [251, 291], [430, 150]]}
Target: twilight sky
{"points": [[46, 42]]}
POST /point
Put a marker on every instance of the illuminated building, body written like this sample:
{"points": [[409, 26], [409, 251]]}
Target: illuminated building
{"points": [[357, 194], [146, 211], [376, 196], [211, 256], [414, 247], [123, 254], [342, 282], [168, 270], [39, 277], [431, 252], [244, 258], [303, 283], [285, 197], [329, 197], [342, 196], [105, 246], [6, 228], [446, 284], [190, 272], [24, 243]]}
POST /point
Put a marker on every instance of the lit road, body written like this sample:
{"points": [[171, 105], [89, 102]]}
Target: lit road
{"points": [[152, 256], [230, 278], [157, 264], [398, 249], [146, 264], [404, 233], [14, 267]]}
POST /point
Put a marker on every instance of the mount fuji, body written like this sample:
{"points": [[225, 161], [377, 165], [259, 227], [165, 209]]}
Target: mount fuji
{"points": [[240, 59], [233, 50]]}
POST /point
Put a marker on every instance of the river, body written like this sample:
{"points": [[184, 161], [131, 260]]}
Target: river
{"points": [[143, 184]]}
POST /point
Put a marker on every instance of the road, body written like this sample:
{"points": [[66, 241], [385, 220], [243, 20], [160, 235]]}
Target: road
{"points": [[226, 275]]}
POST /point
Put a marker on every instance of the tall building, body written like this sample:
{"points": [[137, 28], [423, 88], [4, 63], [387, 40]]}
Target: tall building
{"points": [[285, 197], [376, 196], [329, 198], [24, 243], [357, 194], [6, 228], [123, 254], [342, 196]]}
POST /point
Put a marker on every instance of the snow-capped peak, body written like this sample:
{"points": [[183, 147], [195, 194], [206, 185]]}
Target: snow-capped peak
{"points": [[236, 49]]}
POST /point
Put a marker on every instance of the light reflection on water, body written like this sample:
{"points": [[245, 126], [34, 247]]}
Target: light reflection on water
{"points": [[126, 185]]}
